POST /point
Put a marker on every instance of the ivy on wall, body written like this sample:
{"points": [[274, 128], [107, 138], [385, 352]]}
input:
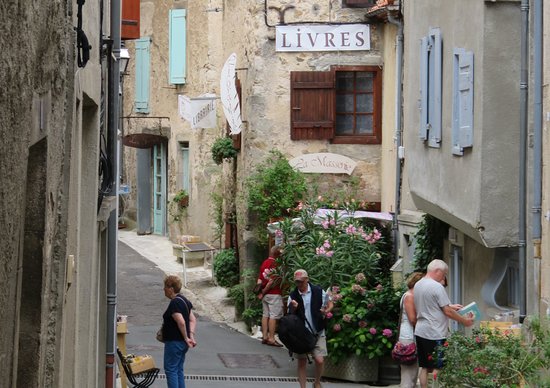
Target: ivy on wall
{"points": [[430, 239]]}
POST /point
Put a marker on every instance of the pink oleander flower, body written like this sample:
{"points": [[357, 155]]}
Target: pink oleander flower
{"points": [[267, 273], [351, 229], [326, 244], [372, 330], [336, 328], [362, 324], [387, 333], [300, 205], [279, 233], [346, 318], [332, 222], [329, 253], [329, 315], [360, 277], [320, 251], [335, 289], [336, 297], [325, 224]]}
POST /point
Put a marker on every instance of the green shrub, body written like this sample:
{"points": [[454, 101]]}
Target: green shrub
{"points": [[223, 149], [236, 294], [226, 268], [430, 237]]}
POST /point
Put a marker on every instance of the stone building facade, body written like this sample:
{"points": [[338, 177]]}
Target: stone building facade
{"points": [[213, 31], [52, 292], [462, 120]]}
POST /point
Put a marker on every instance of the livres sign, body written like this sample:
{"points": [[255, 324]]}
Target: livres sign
{"points": [[323, 163], [345, 37]]}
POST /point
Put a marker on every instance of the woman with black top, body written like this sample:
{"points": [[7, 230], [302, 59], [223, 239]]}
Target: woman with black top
{"points": [[178, 331]]}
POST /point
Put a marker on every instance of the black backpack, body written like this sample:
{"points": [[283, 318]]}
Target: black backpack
{"points": [[295, 336]]}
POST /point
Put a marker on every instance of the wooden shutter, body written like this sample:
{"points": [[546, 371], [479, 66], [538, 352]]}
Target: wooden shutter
{"points": [[177, 45], [312, 105], [130, 19], [143, 54], [463, 100], [435, 85]]}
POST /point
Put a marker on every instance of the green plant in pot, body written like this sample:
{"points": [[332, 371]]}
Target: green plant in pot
{"points": [[181, 198], [223, 149]]}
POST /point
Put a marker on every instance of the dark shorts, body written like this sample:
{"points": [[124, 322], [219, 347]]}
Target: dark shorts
{"points": [[426, 349]]}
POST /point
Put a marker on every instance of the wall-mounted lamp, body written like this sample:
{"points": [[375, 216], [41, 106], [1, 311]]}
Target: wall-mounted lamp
{"points": [[124, 60]]}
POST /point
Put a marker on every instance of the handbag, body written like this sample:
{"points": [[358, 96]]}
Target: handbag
{"points": [[159, 335], [403, 353]]}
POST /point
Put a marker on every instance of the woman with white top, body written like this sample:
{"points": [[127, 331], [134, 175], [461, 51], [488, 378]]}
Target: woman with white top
{"points": [[409, 373]]}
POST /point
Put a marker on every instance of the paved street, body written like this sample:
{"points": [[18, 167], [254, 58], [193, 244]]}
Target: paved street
{"points": [[224, 356]]}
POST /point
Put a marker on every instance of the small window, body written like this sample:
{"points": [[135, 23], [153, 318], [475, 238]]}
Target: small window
{"points": [[343, 105]]}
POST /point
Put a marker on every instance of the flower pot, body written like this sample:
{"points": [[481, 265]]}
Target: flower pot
{"points": [[353, 368], [184, 202]]}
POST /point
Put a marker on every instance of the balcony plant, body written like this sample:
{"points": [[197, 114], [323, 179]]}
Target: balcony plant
{"points": [[488, 358], [223, 149]]}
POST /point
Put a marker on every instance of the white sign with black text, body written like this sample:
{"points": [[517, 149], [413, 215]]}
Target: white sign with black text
{"points": [[344, 37], [199, 112], [324, 163]]}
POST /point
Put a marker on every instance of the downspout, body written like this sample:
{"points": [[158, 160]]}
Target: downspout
{"points": [[398, 130], [537, 142], [112, 228], [524, 96]]}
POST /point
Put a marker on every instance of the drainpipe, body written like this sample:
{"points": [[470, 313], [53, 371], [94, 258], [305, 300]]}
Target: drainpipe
{"points": [[537, 141], [398, 130], [112, 228], [524, 96]]}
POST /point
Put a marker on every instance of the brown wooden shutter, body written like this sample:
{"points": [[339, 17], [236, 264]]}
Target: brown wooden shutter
{"points": [[312, 105], [130, 19]]}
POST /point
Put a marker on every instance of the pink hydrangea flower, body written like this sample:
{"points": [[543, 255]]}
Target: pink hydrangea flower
{"points": [[346, 318], [387, 333], [335, 289], [336, 328], [329, 315], [372, 330], [360, 277], [362, 324]]}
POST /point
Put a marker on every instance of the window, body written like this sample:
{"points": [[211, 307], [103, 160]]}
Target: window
{"points": [[143, 55], [177, 45], [343, 105], [463, 100], [430, 88]]}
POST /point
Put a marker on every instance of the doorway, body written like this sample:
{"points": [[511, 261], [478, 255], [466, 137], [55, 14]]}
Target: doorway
{"points": [[159, 189]]}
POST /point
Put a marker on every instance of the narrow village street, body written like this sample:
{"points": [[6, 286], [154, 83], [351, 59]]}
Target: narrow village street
{"points": [[225, 355]]}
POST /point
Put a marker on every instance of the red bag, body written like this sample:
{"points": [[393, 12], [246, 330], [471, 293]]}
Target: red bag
{"points": [[404, 354]]}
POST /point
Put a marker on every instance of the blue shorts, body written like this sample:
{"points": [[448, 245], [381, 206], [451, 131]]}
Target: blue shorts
{"points": [[427, 353]]}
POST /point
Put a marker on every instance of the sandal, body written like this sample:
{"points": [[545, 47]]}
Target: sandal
{"points": [[264, 341], [274, 343]]}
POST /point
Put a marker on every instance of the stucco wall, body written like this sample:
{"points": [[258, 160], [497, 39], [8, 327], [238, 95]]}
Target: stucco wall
{"points": [[468, 191]]}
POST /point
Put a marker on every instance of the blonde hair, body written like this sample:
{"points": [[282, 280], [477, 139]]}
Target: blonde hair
{"points": [[413, 279], [174, 282]]}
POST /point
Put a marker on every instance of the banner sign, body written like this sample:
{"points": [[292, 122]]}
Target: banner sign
{"points": [[199, 112], [345, 37], [324, 163]]}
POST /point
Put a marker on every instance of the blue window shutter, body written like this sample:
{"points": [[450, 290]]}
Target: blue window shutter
{"points": [[143, 54], [435, 85], [177, 46], [424, 89], [463, 100]]}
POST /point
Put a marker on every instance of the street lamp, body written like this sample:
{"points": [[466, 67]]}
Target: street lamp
{"points": [[124, 60]]}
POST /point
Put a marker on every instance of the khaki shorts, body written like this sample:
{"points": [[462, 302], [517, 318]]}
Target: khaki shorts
{"points": [[272, 305], [320, 349]]}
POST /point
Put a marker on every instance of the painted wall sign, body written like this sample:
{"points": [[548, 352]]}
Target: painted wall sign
{"points": [[324, 163], [345, 37], [200, 112]]}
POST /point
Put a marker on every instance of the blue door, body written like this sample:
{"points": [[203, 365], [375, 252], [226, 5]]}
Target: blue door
{"points": [[159, 189]]}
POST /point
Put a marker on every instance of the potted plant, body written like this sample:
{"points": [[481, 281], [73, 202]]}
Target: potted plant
{"points": [[181, 198], [223, 149], [489, 358]]}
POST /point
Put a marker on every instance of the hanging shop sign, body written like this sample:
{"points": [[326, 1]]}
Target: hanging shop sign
{"points": [[324, 163], [345, 37], [200, 112], [230, 96]]}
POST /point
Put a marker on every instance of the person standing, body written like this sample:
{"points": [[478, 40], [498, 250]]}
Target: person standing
{"points": [[312, 304], [409, 373], [178, 331], [270, 295], [433, 311]]}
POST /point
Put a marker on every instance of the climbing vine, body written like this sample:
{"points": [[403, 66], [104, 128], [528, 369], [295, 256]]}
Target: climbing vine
{"points": [[430, 239]]}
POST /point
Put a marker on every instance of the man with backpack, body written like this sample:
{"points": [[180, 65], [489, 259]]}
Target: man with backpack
{"points": [[311, 303]]}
